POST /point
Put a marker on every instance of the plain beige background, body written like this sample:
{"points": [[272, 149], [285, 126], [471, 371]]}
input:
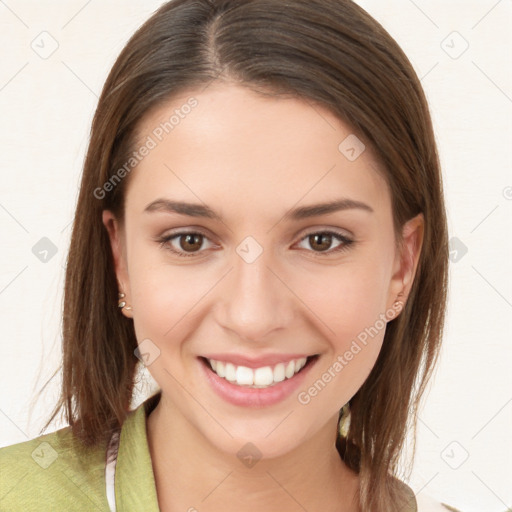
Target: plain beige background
{"points": [[55, 59]]}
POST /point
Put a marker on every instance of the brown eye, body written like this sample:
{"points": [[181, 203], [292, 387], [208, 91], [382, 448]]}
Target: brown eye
{"points": [[191, 242], [321, 241], [184, 244]]}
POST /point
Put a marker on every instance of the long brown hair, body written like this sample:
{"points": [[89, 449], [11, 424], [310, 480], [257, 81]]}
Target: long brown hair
{"points": [[329, 52]]}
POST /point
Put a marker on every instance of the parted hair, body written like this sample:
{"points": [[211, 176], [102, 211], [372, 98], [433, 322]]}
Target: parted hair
{"points": [[328, 52]]}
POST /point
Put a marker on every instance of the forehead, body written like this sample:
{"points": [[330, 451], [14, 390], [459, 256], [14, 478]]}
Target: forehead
{"points": [[231, 145]]}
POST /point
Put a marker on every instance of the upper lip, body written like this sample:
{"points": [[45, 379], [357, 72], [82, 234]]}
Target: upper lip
{"points": [[255, 362]]}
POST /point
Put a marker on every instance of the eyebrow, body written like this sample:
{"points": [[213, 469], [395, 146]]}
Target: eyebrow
{"points": [[302, 212]]}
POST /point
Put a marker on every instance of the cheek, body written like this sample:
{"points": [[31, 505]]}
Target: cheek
{"points": [[348, 299], [354, 327], [164, 296], [351, 307]]}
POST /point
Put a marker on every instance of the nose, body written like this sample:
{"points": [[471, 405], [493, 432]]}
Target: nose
{"points": [[254, 300]]}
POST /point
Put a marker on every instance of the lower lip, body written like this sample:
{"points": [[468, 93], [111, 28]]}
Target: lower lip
{"points": [[255, 397]]}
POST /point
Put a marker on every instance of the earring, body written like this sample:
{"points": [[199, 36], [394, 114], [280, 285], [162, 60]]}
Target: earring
{"points": [[122, 304], [345, 420]]}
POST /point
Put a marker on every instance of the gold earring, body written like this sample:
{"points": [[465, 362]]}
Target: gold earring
{"points": [[345, 420]]}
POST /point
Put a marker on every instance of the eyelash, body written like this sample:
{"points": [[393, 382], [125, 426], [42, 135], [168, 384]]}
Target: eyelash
{"points": [[346, 242]]}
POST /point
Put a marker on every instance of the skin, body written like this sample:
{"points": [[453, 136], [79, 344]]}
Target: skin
{"points": [[252, 158]]}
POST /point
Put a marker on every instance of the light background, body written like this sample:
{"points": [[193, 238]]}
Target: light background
{"points": [[464, 446]]}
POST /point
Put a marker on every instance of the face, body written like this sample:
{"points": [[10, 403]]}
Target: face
{"points": [[250, 280]]}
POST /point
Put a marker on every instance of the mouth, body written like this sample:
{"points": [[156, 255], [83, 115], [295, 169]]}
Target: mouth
{"points": [[258, 377]]}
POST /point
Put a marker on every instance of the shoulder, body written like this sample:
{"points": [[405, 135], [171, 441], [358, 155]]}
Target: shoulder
{"points": [[428, 504], [52, 472], [406, 496], [419, 503]]}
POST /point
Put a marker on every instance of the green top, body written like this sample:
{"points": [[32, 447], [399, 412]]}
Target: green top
{"points": [[52, 473]]}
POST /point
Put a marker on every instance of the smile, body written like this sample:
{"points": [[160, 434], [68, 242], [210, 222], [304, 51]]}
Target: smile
{"points": [[255, 382], [262, 377]]}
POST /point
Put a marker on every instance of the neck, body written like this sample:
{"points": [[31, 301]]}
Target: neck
{"points": [[193, 475]]}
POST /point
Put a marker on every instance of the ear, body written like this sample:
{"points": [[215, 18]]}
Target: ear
{"points": [[117, 242], [406, 260]]}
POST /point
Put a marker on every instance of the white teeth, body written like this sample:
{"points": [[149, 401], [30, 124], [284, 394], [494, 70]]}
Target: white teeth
{"points": [[263, 376], [220, 368], [244, 376], [290, 369], [259, 377], [279, 372], [230, 372]]}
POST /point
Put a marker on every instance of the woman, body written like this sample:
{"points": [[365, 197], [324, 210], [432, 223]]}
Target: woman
{"points": [[261, 223]]}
